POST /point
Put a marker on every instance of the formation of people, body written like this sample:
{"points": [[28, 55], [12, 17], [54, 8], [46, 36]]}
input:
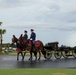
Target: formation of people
{"points": [[32, 35], [25, 36], [24, 44]]}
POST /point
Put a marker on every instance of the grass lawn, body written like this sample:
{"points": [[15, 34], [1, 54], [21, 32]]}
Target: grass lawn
{"points": [[15, 53], [38, 71]]}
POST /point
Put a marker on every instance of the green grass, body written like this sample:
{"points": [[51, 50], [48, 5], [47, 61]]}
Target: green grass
{"points": [[15, 53], [12, 53], [37, 71]]}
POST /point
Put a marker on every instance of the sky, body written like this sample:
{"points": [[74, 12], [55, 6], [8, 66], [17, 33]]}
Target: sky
{"points": [[52, 20]]}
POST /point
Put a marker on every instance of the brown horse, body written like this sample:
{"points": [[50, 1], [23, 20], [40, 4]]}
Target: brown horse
{"points": [[39, 47], [33, 48], [27, 46], [15, 40]]}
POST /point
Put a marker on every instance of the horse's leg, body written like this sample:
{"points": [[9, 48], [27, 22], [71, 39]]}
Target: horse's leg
{"points": [[30, 55], [18, 55], [22, 55], [31, 51], [44, 53], [35, 54], [39, 55]]}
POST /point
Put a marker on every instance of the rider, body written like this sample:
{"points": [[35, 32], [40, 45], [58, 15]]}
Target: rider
{"points": [[33, 36], [25, 35]]}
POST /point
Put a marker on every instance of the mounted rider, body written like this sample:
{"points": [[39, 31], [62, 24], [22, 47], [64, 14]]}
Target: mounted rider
{"points": [[33, 36], [25, 38], [25, 35]]}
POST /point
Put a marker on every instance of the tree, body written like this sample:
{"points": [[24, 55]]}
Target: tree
{"points": [[2, 31]]}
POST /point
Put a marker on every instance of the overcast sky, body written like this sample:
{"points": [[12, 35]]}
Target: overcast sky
{"points": [[52, 20]]}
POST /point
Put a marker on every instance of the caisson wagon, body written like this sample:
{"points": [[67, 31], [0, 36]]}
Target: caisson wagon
{"points": [[52, 49]]}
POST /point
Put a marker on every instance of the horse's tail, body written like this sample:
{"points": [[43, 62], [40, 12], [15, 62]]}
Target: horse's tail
{"points": [[43, 51]]}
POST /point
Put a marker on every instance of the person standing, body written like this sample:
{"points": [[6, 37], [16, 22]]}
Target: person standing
{"points": [[33, 36]]}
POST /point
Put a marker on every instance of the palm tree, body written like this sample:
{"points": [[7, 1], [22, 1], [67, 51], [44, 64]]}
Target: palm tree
{"points": [[2, 31]]}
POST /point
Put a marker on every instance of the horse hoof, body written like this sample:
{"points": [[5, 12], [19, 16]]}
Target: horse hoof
{"points": [[45, 57], [22, 59], [30, 58], [17, 59], [35, 58], [39, 59]]}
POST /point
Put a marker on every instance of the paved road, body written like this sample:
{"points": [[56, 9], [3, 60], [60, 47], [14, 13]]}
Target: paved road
{"points": [[7, 61]]}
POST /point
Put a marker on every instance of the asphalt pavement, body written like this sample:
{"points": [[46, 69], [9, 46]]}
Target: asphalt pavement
{"points": [[7, 61]]}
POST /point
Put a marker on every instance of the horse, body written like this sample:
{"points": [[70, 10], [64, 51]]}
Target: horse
{"points": [[33, 47], [39, 47], [19, 51], [28, 46]]}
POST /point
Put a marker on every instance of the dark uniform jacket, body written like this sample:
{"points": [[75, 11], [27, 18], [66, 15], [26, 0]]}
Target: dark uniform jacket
{"points": [[33, 36], [25, 36]]}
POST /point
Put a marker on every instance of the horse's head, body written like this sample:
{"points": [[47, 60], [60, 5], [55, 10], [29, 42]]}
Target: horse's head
{"points": [[21, 38], [14, 39]]}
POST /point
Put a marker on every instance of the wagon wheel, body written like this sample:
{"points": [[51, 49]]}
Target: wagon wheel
{"points": [[57, 54], [48, 54], [74, 53], [65, 54]]}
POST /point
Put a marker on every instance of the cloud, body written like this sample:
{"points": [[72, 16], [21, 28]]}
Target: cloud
{"points": [[71, 39], [9, 3], [71, 17], [50, 15], [41, 26]]}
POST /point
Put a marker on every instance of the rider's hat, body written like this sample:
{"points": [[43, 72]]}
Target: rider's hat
{"points": [[32, 29], [25, 31]]}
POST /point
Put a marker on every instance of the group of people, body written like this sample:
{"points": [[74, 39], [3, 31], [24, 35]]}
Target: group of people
{"points": [[32, 36], [30, 44], [25, 36]]}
